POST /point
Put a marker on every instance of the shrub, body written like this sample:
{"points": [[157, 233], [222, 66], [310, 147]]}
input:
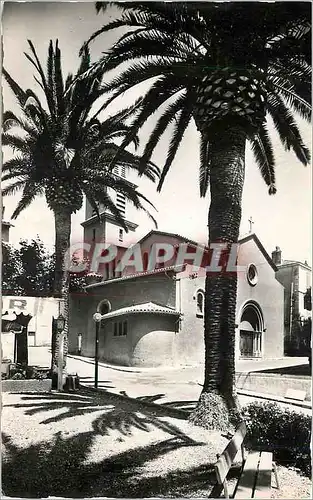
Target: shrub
{"points": [[284, 432], [21, 372]]}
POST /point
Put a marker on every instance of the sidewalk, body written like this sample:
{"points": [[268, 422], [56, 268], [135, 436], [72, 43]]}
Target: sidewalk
{"points": [[178, 388]]}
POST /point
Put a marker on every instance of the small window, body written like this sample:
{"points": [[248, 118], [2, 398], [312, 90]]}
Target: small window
{"points": [[120, 235], [120, 329], [93, 235], [200, 304]]}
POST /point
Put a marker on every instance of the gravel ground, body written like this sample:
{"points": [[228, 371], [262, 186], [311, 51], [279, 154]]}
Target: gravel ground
{"points": [[83, 445]]}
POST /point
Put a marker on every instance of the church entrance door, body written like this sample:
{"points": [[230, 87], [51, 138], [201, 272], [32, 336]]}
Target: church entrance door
{"points": [[246, 344], [251, 328]]}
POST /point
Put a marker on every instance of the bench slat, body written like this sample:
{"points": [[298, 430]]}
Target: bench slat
{"points": [[226, 459], [264, 477], [246, 482]]}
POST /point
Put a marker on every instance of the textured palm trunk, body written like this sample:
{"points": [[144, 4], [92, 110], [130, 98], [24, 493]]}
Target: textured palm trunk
{"points": [[218, 404], [62, 218]]}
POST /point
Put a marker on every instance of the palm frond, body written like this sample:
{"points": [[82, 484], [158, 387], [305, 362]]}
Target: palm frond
{"points": [[18, 164], [263, 152], [14, 174], [167, 117], [178, 133], [10, 120], [16, 89], [48, 91], [13, 188], [204, 170], [287, 128], [122, 186], [293, 100], [50, 67], [93, 193], [30, 191], [150, 103], [127, 20], [15, 142]]}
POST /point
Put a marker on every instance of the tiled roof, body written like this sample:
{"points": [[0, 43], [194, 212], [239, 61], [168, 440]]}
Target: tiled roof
{"points": [[148, 307], [171, 235], [137, 275]]}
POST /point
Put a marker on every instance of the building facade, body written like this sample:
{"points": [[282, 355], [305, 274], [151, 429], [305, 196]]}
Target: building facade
{"points": [[155, 318], [42, 310], [296, 278]]}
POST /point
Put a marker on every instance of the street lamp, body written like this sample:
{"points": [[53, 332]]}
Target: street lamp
{"points": [[60, 325], [97, 318]]}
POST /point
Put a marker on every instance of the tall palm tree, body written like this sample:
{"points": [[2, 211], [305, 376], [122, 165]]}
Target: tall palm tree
{"points": [[226, 66], [63, 151]]}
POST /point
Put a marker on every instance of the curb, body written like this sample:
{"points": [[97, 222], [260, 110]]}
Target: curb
{"points": [[271, 397], [104, 365]]}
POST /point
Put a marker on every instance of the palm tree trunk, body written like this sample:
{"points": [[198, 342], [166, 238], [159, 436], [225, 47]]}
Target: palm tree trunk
{"points": [[62, 219], [218, 405]]}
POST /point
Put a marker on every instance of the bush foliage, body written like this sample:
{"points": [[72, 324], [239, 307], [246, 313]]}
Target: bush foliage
{"points": [[284, 432]]}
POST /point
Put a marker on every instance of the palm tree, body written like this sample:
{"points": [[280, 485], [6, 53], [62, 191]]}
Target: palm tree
{"points": [[63, 151], [226, 66]]}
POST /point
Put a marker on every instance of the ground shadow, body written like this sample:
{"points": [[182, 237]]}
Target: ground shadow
{"points": [[187, 406], [59, 468], [102, 384], [301, 370], [118, 412]]}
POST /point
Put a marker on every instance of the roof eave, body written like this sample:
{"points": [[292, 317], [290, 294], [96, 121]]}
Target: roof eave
{"points": [[253, 236], [110, 218], [175, 269], [115, 314]]}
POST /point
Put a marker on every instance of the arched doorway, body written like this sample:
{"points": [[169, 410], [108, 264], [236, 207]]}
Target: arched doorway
{"points": [[251, 328]]}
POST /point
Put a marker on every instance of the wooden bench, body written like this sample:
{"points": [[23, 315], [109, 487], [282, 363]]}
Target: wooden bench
{"points": [[255, 473]]}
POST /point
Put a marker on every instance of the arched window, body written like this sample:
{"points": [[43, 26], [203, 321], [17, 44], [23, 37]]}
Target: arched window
{"points": [[145, 261], [200, 303], [161, 253]]}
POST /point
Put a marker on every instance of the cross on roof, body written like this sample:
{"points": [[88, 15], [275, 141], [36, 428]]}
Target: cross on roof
{"points": [[251, 222]]}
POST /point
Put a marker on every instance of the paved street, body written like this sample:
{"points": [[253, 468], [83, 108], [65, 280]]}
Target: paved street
{"points": [[178, 387], [41, 356]]}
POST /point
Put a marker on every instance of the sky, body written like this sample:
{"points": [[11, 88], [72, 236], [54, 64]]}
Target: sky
{"points": [[283, 219]]}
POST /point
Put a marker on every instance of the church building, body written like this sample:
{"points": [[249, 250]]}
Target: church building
{"points": [[155, 317]]}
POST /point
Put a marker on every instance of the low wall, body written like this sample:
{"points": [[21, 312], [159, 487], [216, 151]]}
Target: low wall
{"points": [[29, 385], [275, 384]]}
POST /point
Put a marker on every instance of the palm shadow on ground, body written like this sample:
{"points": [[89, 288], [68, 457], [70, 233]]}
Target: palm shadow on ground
{"points": [[89, 401], [59, 467]]}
